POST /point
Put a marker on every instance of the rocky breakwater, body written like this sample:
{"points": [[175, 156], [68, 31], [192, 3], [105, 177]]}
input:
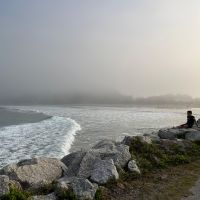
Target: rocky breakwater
{"points": [[80, 173], [191, 134]]}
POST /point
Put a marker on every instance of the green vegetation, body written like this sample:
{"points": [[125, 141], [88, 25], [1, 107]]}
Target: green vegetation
{"points": [[98, 195], [173, 182], [169, 169], [156, 156], [16, 194], [67, 195]]}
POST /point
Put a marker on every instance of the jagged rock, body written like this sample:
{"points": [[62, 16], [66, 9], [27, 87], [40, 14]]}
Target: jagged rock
{"points": [[198, 122], [6, 184], [104, 170], [35, 173], [118, 152], [193, 136], [129, 139], [51, 196], [87, 164], [104, 150], [108, 144], [73, 161], [169, 133], [81, 163], [62, 185], [70, 158], [145, 139], [173, 133], [166, 144], [120, 155], [82, 188], [132, 167]]}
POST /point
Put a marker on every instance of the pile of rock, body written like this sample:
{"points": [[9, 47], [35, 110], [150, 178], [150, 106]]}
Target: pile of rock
{"points": [[82, 171], [191, 134]]}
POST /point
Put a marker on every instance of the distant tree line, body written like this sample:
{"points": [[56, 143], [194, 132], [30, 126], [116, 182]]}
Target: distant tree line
{"points": [[114, 98]]}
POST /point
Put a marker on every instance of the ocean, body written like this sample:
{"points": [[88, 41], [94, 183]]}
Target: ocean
{"points": [[55, 131]]}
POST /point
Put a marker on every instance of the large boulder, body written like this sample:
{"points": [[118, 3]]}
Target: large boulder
{"points": [[6, 184], [81, 187], [128, 140], [87, 164], [81, 164], [198, 122], [173, 133], [84, 189], [35, 173], [51, 196], [193, 136], [118, 152], [104, 170], [73, 161], [167, 144]]}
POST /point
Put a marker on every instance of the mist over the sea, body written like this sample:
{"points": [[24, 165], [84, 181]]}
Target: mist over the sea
{"points": [[137, 48]]}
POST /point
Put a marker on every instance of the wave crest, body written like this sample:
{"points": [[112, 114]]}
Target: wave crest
{"points": [[52, 137]]}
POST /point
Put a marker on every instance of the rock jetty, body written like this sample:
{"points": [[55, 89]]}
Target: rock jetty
{"points": [[83, 172]]}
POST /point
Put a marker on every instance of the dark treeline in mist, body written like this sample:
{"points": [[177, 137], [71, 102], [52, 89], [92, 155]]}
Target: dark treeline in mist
{"points": [[108, 99], [88, 99], [169, 100]]}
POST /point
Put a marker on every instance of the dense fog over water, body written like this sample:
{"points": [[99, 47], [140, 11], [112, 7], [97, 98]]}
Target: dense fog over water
{"points": [[139, 48]]}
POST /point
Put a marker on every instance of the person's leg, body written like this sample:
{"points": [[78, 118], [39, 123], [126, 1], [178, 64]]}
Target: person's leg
{"points": [[183, 126]]}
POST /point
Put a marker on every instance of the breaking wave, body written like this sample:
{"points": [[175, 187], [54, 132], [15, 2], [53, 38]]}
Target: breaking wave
{"points": [[52, 137]]}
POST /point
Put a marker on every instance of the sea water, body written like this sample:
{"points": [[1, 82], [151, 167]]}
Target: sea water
{"points": [[54, 131]]}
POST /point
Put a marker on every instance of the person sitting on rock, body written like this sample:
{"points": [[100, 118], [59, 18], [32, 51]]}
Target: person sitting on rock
{"points": [[190, 121]]}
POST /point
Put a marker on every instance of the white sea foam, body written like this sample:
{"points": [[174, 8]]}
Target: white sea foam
{"points": [[52, 138]]}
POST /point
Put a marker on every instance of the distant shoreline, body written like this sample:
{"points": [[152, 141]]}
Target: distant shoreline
{"points": [[117, 99], [177, 106]]}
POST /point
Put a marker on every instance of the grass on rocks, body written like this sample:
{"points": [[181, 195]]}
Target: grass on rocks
{"points": [[16, 194], [168, 172], [67, 195], [156, 156]]}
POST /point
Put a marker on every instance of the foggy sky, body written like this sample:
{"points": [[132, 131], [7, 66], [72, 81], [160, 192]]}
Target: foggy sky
{"points": [[139, 48]]}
